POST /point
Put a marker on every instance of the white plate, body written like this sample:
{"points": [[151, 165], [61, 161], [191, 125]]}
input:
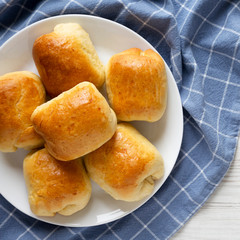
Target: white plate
{"points": [[109, 38]]}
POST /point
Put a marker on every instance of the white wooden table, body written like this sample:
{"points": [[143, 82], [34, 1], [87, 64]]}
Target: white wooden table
{"points": [[219, 218]]}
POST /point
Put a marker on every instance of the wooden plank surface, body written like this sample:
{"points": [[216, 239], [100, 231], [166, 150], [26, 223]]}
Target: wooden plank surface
{"points": [[219, 218]]}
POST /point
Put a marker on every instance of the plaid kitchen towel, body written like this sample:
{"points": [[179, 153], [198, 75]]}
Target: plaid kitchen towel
{"points": [[200, 42]]}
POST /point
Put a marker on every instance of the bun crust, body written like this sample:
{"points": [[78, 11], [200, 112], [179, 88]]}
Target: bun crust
{"points": [[75, 123], [136, 84], [126, 165], [55, 186], [66, 57], [20, 93]]}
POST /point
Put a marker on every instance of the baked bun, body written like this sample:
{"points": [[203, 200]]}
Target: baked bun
{"points": [[75, 123], [55, 186], [136, 84], [66, 57], [20, 93], [126, 166]]}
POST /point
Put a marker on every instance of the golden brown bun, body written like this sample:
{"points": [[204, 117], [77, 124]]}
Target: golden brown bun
{"points": [[20, 94], [55, 186], [75, 123], [66, 57], [136, 84], [126, 165]]}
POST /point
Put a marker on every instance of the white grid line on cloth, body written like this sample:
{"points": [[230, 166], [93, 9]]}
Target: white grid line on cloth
{"points": [[191, 63], [215, 154], [65, 7], [81, 235], [168, 31], [171, 28], [190, 43], [161, 8], [27, 230], [19, 221], [225, 90], [188, 119], [187, 218], [82, 6], [113, 232], [199, 27], [8, 28], [233, 4], [97, 5], [203, 137], [76, 233], [184, 190], [14, 21], [121, 12], [208, 63], [143, 227], [211, 23], [52, 232], [163, 209], [25, 8], [6, 6], [218, 132], [126, 7], [8, 217], [198, 167], [220, 80], [29, 10], [200, 173], [166, 210], [210, 104], [189, 151], [190, 90], [70, 230], [179, 11], [164, 38], [140, 20], [176, 68], [222, 108], [149, 18], [186, 18], [37, 11], [106, 230], [207, 49], [43, 13], [6, 2]]}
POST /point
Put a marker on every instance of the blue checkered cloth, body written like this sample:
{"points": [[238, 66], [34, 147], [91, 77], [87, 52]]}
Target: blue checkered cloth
{"points": [[200, 41]]}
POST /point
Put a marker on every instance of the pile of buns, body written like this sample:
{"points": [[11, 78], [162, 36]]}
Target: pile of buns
{"points": [[76, 134]]}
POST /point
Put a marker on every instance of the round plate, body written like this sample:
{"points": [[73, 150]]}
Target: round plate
{"points": [[108, 38]]}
